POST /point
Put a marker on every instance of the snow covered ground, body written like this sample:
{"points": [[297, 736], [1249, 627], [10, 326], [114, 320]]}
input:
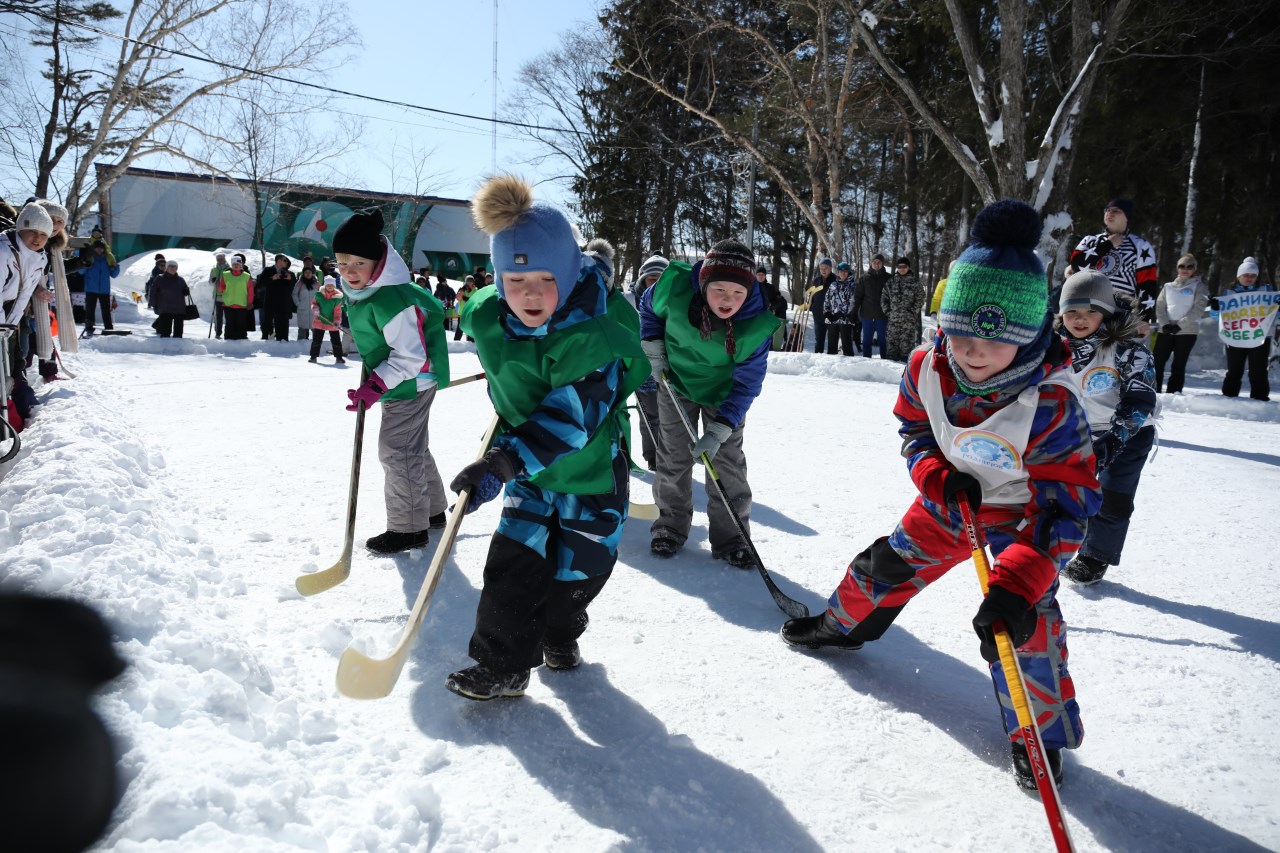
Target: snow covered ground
{"points": [[180, 486]]}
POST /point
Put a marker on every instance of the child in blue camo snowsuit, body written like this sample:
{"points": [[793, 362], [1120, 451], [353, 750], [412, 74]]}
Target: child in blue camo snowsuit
{"points": [[1117, 385], [561, 351], [989, 416]]}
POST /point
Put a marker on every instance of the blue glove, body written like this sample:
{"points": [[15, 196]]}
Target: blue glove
{"points": [[485, 477], [714, 435], [1106, 448]]}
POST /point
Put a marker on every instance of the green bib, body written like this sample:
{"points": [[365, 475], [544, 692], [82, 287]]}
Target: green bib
{"points": [[701, 370], [369, 316], [325, 305], [523, 372], [237, 293]]}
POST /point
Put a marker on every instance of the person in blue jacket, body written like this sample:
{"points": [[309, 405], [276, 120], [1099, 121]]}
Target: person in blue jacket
{"points": [[707, 328], [99, 268]]}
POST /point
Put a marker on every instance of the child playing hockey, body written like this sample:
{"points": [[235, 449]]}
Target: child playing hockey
{"points": [[326, 316], [706, 327], [989, 417], [1117, 384], [398, 328], [562, 353]]}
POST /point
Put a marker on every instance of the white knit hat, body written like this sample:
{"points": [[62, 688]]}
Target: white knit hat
{"points": [[35, 218], [1249, 266], [54, 209]]}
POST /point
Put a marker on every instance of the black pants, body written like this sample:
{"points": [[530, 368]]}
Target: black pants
{"points": [[843, 333], [218, 311], [317, 338], [278, 323], [170, 325], [264, 322], [1180, 347], [1256, 358], [238, 323], [92, 299], [819, 333]]}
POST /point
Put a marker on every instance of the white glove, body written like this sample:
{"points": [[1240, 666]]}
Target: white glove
{"points": [[714, 435], [657, 354]]}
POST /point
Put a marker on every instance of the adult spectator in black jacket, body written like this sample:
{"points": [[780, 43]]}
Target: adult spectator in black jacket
{"points": [[774, 300], [275, 283], [169, 300], [866, 306], [156, 272], [817, 294], [446, 295]]}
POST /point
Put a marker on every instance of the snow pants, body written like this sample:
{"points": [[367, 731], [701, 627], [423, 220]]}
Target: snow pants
{"points": [[1179, 346], [1237, 358], [549, 558], [927, 542], [841, 334], [651, 429], [673, 480], [412, 487], [1105, 535]]}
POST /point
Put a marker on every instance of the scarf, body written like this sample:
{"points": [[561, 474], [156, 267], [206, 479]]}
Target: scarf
{"points": [[1027, 360]]}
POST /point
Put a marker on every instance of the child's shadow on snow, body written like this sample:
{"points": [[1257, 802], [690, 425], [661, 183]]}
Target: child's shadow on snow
{"points": [[626, 772], [956, 698]]}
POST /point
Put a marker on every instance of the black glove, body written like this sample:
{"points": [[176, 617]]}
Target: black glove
{"points": [[1012, 610], [1170, 328], [958, 483], [485, 477], [1106, 448], [1213, 304]]}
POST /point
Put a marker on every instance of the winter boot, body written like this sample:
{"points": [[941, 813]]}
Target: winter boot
{"points": [[1085, 571], [437, 521], [735, 556], [482, 684], [312, 360], [339, 360], [393, 542], [663, 546], [813, 632], [561, 657], [1023, 772]]}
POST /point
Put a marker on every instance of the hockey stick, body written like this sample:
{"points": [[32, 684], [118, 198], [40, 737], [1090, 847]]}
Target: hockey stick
{"points": [[786, 604], [1018, 694], [362, 677], [644, 512], [310, 584]]}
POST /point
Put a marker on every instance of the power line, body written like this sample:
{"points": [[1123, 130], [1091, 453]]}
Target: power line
{"points": [[267, 76]]}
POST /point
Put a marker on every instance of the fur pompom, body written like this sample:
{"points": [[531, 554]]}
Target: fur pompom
{"points": [[600, 246], [500, 203]]}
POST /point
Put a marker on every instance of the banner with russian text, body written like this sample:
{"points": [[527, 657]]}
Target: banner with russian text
{"points": [[1245, 319]]}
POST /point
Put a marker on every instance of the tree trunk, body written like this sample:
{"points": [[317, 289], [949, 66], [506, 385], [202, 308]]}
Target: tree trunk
{"points": [[1189, 220]]}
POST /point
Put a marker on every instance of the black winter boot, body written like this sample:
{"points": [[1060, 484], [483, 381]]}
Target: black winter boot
{"points": [[736, 556], [662, 546], [1085, 571], [482, 684], [562, 657], [813, 632], [393, 542], [437, 521], [1023, 772]]}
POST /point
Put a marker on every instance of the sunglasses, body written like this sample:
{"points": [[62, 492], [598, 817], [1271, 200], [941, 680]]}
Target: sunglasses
{"points": [[1186, 266]]}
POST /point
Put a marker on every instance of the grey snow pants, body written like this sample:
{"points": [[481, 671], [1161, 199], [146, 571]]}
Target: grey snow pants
{"points": [[412, 487]]}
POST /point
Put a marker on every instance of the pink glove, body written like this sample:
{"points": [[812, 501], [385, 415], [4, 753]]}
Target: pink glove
{"points": [[368, 393]]}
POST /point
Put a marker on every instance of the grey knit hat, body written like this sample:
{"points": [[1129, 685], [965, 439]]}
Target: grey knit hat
{"points": [[653, 265], [1088, 289]]}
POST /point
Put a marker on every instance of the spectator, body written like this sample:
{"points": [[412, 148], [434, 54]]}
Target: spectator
{"points": [[215, 278], [304, 291], [1179, 308], [100, 267], [326, 316], [61, 333], [464, 293], [817, 296], [236, 287], [776, 303], [901, 301], [936, 302], [839, 310], [650, 271], [866, 307], [446, 295], [169, 294], [1254, 356], [1123, 257], [23, 261], [274, 292], [157, 270]]}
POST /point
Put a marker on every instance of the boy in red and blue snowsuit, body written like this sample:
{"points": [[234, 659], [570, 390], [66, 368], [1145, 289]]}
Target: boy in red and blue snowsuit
{"points": [[989, 415]]}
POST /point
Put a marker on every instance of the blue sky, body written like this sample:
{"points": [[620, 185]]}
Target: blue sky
{"points": [[439, 53]]}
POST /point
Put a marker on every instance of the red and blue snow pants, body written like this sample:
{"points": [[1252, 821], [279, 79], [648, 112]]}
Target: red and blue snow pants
{"points": [[927, 542]]}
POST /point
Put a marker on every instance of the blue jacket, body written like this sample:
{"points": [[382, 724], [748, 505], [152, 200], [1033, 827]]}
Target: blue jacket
{"points": [[98, 275], [748, 376]]}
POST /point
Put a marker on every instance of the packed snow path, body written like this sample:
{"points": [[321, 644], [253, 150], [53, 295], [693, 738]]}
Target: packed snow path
{"points": [[180, 487]]}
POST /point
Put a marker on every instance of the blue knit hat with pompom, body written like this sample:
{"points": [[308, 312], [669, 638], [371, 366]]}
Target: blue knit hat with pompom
{"points": [[997, 290]]}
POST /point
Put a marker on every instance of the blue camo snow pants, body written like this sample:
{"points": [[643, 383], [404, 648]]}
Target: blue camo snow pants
{"points": [[927, 542], [549, 558], [1107, 530]]}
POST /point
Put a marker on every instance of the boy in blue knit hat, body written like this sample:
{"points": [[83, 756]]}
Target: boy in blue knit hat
{"points": [[988, 416], [561, 351]]}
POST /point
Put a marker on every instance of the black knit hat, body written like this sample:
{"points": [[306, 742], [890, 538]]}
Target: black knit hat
{"points": [[729, 261], [361, 235]]}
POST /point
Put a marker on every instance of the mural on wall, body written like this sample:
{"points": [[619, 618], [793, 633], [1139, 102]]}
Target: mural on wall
{"points": [[150, 211]]}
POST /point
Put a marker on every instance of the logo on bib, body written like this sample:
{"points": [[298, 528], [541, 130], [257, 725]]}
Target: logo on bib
{"points": [[988, 321], [987, 450], [1099, 381]]}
